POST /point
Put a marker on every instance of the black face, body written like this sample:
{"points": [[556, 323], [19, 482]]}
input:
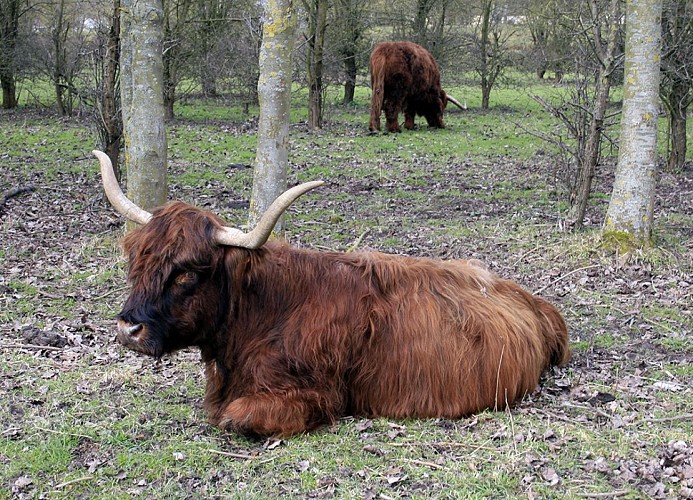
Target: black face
{"points": [[180, 315], [177, 275]]}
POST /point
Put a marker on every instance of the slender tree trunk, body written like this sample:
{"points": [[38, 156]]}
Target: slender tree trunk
{"points": [[9, 92], [485, 51], [142, 101], [274, 93], [588, 164], [420, 22], [680, 96], [316, 43], [9, 32], [59, 34], [111, 117], [350, 83], [632, 200]]}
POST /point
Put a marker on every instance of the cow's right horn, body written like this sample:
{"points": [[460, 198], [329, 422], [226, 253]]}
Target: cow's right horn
{"points": [[115, 194], [457, 103]]}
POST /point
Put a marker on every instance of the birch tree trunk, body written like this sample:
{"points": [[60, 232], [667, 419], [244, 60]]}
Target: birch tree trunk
{"points": [[141, 70], [274, 94], [632, 200]]}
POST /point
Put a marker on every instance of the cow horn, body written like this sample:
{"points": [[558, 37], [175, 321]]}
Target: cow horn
{"points": [[463, 107], [261, 232], [115, 194], [225, 236]]}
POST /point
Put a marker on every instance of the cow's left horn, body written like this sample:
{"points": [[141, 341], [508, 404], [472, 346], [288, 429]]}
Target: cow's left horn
{"points": [[261, 232], [115, 194]]}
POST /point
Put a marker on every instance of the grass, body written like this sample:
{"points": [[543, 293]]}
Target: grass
{"points": [[93, 420]]}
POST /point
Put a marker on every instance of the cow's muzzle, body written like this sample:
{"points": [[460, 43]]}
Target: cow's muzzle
{"points": [[134, 336]]}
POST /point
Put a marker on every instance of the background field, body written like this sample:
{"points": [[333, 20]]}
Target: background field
{"points": [[82, 417]]}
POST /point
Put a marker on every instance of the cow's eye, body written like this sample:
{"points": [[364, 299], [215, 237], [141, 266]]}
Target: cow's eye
{"points": [[186, 278]]}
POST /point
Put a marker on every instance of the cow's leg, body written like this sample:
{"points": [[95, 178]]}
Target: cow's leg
{"points": [[409, 119], [392, 107], [279, 414]]}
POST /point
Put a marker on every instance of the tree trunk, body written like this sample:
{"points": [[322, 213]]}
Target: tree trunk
{"points": [[274, 94], [142, 101], [9, 91], [676, 88], [111, 121], [588, 164], [484, 53], [350, 83], [676, 159], [316, 43], [632, 200], [9, 32], [59, 36]]}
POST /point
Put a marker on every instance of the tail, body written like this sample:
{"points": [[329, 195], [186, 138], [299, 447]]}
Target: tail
{"points": [[555, 333], [377, 68]]}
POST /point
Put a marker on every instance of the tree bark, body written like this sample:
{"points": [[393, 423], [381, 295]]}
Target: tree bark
{"points": [[680, 98], [485, 51], [316, 42], [588, 164], [111, 117], [676, 88], [9, 32], [632, 200], [142, 101], [274, 94]]}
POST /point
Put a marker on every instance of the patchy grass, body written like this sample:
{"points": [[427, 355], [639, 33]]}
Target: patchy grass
{"points": [[85, 418]]}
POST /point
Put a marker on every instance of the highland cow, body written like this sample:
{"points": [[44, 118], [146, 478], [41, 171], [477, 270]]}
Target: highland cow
{"points": [[293, 339], [405, 78]]}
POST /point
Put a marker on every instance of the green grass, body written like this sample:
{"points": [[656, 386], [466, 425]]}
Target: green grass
{"points": [[93, 420]]}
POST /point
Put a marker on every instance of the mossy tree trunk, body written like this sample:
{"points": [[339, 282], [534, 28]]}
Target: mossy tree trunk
{"points": [[141, 69], [274, 94], [632, 200]]}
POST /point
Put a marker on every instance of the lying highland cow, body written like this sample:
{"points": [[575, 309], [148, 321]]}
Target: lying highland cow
{"points": [[294, 339], [405, 78]]}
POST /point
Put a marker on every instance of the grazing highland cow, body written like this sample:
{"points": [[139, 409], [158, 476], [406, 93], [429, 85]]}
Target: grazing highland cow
{"points": [[294, 339], [405, 78]]}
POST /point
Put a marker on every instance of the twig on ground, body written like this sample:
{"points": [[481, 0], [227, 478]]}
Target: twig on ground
{"points": [[449, 444], [73, 481], [43, 429], [232, 455], [606, 494], [685, 416], [14, 192], [424, 463], [565, 276], [30, 346]]}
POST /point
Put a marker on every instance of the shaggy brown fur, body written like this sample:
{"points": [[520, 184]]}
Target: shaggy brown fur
{"points": [[405, 78], [294, 339]]}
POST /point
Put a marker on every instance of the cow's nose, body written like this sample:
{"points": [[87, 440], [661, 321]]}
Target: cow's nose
{"points": [[128, 329]]}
